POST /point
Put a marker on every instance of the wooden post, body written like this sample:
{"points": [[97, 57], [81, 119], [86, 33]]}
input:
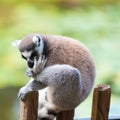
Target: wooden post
{"points": [[65, 115], [101, 102], [29, 108]]}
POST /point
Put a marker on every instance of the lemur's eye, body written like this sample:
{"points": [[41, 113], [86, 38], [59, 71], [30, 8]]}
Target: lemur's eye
{"points": [[24, 57], [34, 54]]}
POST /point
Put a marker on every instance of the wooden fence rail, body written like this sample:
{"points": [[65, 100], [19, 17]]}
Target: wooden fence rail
{"points": [[100, 106]]}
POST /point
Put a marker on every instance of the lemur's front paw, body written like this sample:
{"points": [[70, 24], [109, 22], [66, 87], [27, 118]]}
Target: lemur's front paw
{"points": [[40, 64], [22, 93], [29, 72]]}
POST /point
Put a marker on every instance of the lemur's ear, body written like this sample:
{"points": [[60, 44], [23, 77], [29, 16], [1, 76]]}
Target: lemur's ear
{"points": [[37, 40], [16, 43], [39, 43]]}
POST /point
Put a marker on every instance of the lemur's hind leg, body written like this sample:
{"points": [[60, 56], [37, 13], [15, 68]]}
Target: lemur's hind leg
{"points": [[46, 109], [63, 91]]}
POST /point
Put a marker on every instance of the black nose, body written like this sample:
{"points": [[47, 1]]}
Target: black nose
{"points": [[30, 64]]}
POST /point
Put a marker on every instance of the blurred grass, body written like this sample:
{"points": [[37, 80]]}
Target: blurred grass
{"points": [[96, 24]]}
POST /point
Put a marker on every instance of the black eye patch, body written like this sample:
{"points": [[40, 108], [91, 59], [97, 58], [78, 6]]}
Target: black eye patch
{"points": [[34, 54], [24, 57]]}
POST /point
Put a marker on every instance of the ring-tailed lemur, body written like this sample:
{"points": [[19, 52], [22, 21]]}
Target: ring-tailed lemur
{"points": [[62, 69]]}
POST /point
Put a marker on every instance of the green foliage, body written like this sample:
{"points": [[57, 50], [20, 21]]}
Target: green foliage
{"points": [[97, 27]]}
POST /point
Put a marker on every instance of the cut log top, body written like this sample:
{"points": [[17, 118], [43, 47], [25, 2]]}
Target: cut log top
{"points": [[103, 87]]}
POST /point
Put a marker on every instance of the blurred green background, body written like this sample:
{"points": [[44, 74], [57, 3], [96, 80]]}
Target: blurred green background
{"points": [[96, 23]]}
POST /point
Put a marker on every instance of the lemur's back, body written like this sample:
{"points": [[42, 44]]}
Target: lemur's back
{"points": [[64, 50]]}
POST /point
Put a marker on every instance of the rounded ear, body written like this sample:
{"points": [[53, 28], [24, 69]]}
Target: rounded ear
{"points": [[16, 43], [37, 39]]}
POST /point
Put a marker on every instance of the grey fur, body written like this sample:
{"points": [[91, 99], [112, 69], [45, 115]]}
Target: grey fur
{"points": [[65, 83]]}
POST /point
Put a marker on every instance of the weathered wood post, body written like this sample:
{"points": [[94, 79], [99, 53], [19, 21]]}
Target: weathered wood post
{"points": [[66, 115], [29, 108], [101, 102]]}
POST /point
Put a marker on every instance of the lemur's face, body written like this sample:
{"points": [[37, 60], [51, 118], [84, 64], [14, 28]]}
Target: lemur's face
{"points": [[31, 48], [30, 57]]}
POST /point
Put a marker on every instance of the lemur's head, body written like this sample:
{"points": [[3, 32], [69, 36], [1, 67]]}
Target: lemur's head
{"points": [[31, 48]]}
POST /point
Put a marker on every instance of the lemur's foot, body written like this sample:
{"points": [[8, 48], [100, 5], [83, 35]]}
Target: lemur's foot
{"points": [[22, 93], [29, 72], [41, 62], [39, 65]]}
